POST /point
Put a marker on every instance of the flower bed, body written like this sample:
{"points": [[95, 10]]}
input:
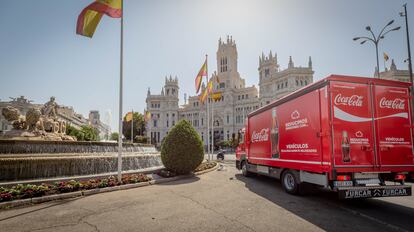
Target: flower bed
{"points": [[29, 191], [205, 166]]}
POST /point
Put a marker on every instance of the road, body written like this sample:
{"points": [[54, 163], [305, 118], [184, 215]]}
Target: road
{"points": [[221, 200]]}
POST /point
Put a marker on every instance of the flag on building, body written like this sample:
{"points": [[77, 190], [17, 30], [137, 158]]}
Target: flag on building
{"points": [[147, 116], [199, 79], [89, 18], [129, 116], [386, 58]]}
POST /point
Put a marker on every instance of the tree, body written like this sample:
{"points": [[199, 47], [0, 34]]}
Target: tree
{"points": [[182, 149], [90, 133], [114, 136], [138, 127], [86, 133]]}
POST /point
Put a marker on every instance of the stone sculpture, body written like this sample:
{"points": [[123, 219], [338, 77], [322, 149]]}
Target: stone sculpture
{"points": [[37, 124]]}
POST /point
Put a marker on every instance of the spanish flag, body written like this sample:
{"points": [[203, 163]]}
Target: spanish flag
{"points": [[89, 18], [386, 58], [147, 116], [207, 91], [129, 116], [199, 79]]}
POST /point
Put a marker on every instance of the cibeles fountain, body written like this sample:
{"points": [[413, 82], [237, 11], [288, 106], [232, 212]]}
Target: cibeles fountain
{"points": [[38, 147]]}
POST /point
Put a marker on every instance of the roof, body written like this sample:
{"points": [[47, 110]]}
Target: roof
{"points": [[323, 82]]}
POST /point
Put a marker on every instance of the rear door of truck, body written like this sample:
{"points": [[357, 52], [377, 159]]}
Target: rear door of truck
{"points": [[393, 120], [352, 126]]}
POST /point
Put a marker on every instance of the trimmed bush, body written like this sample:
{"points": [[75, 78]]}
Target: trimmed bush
{"points": [[182, 149]]}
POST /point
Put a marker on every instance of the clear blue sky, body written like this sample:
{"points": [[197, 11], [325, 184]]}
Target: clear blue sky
{"points": [[41, 56]]}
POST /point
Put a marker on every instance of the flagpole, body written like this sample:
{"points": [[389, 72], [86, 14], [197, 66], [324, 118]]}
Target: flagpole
{"points": [[120, 94], [212, 125], [132, 127], [208, 115]]}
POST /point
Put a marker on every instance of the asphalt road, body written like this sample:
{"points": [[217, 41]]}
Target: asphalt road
{"points": [[222, 200]]}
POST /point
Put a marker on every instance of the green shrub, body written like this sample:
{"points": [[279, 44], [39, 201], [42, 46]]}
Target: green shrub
{"points": [[182, 150]]}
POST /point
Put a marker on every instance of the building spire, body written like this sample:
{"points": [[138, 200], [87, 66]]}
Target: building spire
{"points": [[291, 65], [393, 67], [162, 91], [310, 62], [148, 91]]}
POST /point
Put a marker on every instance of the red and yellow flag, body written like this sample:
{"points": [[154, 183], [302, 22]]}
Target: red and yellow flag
{"points": [[207, 91], [147, 116], [129, 116], [89, 18], [199, 79]]}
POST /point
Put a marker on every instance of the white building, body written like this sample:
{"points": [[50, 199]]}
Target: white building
{"points": [[237, 99]]}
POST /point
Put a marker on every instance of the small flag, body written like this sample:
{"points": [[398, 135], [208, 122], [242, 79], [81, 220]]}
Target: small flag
{"points": [[202, 73], [386, 58], [147, 116], [89, 18], [216, 96], [129, 116]]}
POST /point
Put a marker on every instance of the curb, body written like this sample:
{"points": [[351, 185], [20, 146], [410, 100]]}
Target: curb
{"points": [[84, 193]]}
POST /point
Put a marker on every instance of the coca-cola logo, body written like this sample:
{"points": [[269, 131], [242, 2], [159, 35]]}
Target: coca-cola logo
{"points": [[353, 100], [262, 136], [295, 115], [359, 134], [397, 103]]}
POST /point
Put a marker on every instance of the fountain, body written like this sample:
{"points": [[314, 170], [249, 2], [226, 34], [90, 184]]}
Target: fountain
{"points": [[38, 148]]}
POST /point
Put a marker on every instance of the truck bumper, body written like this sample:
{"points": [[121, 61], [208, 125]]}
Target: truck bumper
{"points": [[373, 191]]}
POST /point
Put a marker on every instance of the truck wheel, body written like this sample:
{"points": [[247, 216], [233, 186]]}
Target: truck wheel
{"points": [[220, 156], [245, 172], [290, 182]]}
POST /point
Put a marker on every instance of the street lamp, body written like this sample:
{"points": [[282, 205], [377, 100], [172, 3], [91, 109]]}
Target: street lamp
{"points": [[376, 39]]}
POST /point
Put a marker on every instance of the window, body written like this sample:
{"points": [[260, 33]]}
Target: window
{"points": [[247, 96], [167, 124], [173, 122], [222, 85], [202, 136], [173, 115], [242, 96], [301, 82], [297, 82], [267, 72], [168, 91], [306, 82], [202, 121], [239, 97], [155, 123], [228, 118], [286, 84], [228, 135], [173, 91]]}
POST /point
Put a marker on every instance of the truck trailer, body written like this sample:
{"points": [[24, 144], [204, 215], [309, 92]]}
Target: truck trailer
{"points": [[353, 135]]}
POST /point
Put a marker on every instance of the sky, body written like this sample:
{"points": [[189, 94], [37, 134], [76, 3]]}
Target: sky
{"points": [[41, 55]]}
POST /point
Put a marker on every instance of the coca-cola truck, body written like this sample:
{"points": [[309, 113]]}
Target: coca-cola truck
{"points": [[350, 134]]}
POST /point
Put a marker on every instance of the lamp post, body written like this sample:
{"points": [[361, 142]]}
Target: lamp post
{"points": [[375, 39], [410, 67]]}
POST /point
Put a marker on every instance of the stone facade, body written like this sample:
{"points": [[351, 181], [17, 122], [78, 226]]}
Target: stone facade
{"points": [[95, 121], [394, 74], [237, 99]]}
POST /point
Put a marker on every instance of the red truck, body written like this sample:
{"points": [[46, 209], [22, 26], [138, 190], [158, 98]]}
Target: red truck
{"points": [[350, 134]]}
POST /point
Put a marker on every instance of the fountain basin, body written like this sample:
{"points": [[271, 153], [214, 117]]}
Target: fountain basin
{"points": [[37, 166], [36, 147]]}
